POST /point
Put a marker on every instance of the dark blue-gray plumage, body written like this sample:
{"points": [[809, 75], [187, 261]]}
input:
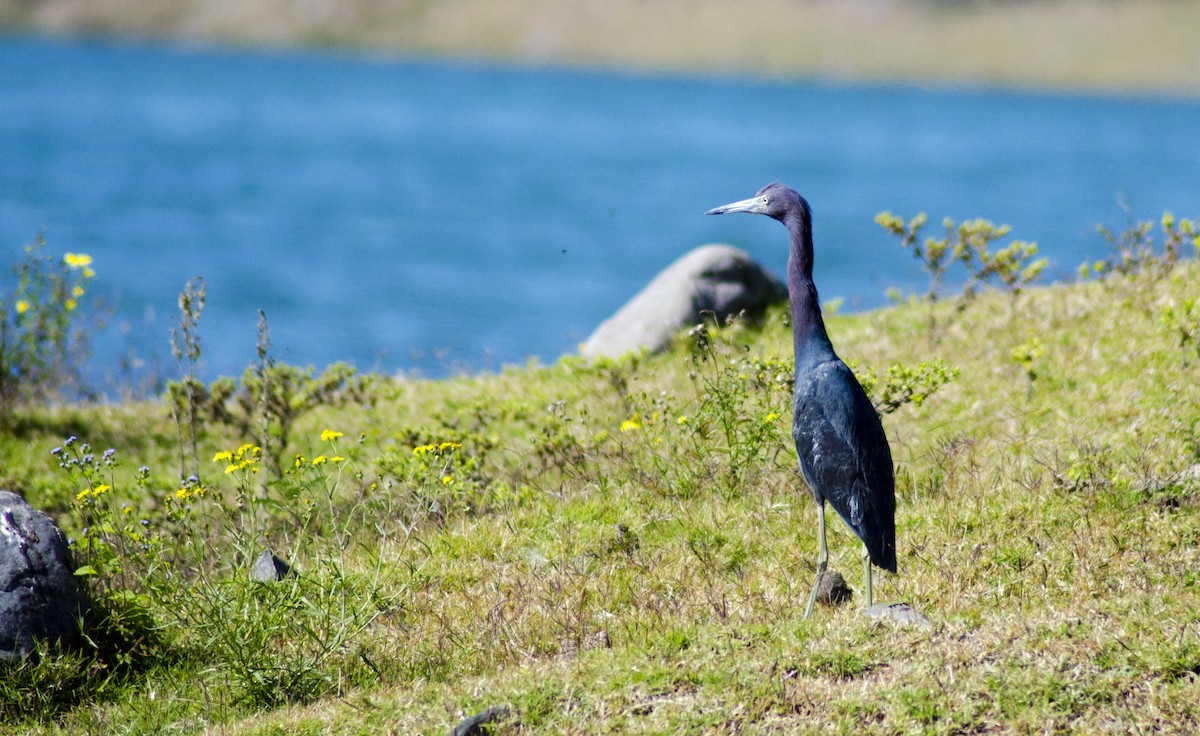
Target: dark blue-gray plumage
{"points": [[843, 450]]}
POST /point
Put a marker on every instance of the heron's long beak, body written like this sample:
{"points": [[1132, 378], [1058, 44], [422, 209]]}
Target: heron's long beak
{"points": [[752, 206]]}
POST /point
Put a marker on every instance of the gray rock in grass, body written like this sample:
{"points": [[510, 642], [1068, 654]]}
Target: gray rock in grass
{"points": [[898, 613], [571, 648], [832, 589], [269, 568], [481, 723], [712, 278], [40, 598]]}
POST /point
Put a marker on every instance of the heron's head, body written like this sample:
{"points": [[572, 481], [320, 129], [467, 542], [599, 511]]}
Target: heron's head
{"points": [[774, 200]]}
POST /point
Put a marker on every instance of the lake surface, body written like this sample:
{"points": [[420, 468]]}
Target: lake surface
{"points": [[434, 217]]}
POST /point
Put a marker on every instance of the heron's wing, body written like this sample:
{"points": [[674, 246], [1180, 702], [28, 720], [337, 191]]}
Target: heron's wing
{"points": [[844, 455]]}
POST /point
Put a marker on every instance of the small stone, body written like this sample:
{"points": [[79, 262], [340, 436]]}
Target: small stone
{"points": [[898, 613], [832, 589], [40, 598], [481, 723], [269, 568], [570, 649], [598, 640]]}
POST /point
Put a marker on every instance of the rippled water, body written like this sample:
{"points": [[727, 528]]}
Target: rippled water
{"points": [[409, 215]]}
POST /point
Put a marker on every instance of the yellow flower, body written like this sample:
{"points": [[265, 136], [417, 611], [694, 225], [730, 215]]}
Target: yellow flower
{"points": [[77, 260], [682, 420], [22, 306], [447, 479], [336, 459], [329, 434], [77, 291], [772, 417], [224, 456], [631, 424], [254, 450], [88, 273], [300, 461], [231, 469], [319, 460], [70, 304], [83, 494], [100, 490], [425, 449], [182, 494]]}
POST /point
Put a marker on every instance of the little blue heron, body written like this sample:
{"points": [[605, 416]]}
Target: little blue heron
{"points": [[843, 450]]}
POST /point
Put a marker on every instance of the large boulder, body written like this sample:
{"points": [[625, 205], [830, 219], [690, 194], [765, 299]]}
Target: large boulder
{"points": [[712, 278], [40, 599]]}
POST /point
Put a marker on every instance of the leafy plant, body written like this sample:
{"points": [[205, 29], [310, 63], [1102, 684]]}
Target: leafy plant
{"points": [[41, 342], [435, 480], [1027, 355], [969, 243], [186, 556], [903, 384], [1135, 252], [1182, 318], [936, 256], [268, 400], [183, 396]]}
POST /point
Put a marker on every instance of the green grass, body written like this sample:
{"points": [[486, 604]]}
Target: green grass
{"points": [[1046, 527]]}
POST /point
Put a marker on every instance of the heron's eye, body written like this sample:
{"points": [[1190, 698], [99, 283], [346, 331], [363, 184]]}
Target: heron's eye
{"points": [[764, 200]]}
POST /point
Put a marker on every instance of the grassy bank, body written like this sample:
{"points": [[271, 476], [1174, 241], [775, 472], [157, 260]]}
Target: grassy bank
{"points": [[627, 546], [1123, 45]]}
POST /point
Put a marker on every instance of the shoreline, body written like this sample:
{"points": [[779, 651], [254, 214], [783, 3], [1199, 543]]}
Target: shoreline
{"points": [[1088, 46]]}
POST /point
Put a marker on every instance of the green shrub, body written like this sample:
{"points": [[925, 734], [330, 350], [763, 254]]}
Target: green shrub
{"points": [[183, 557], [968, 243], [41, 341], [1134, 250]]}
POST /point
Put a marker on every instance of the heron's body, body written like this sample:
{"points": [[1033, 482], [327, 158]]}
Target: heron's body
{"points": [[836, 421], [840, 443]]}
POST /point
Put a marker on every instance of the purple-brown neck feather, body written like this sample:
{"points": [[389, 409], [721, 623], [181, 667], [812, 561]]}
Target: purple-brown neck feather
{"points": [[811, 342]]}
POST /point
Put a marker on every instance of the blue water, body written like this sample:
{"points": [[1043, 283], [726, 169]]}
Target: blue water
{"points": [[424, 216]]}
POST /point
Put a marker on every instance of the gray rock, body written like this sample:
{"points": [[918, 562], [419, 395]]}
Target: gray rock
{"points": [[40, 598], [898, 613], [481, 724], [712, 278], [832, 589], [570, 648], [269, 568]]}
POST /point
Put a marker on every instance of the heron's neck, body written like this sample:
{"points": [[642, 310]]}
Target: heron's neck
{"points": [[811, 342]]}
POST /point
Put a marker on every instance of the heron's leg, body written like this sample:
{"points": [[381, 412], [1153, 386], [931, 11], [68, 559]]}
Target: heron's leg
{"points": [[822, 558], [867, 565]]}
